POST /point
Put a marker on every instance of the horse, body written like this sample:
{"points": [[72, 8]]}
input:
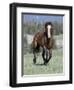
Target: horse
{"points": [[45, 41]]}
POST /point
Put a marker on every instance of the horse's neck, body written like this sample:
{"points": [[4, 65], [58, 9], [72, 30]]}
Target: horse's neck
{"points": [[46, 39], [45, 35]]}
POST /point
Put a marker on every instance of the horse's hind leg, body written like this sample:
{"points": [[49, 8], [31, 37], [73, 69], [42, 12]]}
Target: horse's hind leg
{"points": [[34, 59]]}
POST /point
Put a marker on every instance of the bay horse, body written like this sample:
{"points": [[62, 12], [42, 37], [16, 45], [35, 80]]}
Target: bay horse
{"points": [[45, 41]]}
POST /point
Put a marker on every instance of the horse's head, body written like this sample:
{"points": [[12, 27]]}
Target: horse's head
{"points": [[48, 29]]}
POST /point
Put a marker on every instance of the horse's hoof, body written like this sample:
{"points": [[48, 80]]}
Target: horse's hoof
{"points": [[45, 63]]}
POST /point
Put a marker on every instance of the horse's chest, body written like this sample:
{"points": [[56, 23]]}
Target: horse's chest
{"points": [[48, 43]]}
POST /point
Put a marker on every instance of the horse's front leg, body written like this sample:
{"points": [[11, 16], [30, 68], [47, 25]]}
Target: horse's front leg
{"points": [[49, 55], [44, 55]]}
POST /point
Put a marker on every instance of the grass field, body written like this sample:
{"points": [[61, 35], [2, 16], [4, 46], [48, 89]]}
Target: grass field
{"points": [[59, 37], [54, 66]]}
